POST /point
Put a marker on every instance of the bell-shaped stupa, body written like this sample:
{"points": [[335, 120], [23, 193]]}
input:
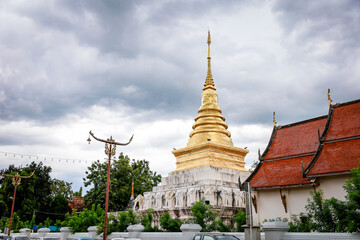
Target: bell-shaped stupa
{"points": [[210, 133], [209, 124]]}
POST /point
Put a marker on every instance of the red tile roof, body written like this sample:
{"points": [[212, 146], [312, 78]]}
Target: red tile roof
{"points": [[345, 121], [337, 152], [296, 139], [336, 157], [281, 173], [290, 145], [340, 150]]}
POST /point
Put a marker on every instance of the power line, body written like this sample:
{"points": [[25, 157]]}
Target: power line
{"points": [[43, 158]]}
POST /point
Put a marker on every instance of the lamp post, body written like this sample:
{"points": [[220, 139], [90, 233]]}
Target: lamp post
{"points": [[16, 182], [110, 150]]}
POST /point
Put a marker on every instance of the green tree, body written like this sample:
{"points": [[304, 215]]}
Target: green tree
{"points": [[39, 194], [59, 207], [147, 220], [300, 223], [32, 194], [320, 212], [240, 219], [202, 215], [121, 222], [84, 219], [123, 171], [61, 187], [168, 224], [352, 187]]}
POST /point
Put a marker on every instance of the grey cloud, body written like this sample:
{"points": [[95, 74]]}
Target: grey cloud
{"points": [[166, 67], [336, 23]]}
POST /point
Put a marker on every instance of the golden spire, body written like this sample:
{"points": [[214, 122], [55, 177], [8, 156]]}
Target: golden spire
{"points": [[329, 98], [209, 124], [209, 80]]}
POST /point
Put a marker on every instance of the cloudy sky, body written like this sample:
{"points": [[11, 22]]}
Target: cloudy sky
{"points": [[137, 67]]}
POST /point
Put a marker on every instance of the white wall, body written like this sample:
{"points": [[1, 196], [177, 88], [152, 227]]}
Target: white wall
{"points": [[333, 186], [270, 205]]}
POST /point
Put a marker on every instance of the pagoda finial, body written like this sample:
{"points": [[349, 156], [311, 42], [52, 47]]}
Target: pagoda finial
{"points": [[209, 80], [274, 121], [329, 98]]}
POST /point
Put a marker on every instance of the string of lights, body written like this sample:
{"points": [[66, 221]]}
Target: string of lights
{"points": [[44, 158], [49, 213]]}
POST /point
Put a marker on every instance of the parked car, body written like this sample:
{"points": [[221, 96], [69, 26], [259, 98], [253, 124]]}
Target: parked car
{"points": [[214, 236], [18, 237], [126, 238], [46, 238], [84, 238], [4, 237]]}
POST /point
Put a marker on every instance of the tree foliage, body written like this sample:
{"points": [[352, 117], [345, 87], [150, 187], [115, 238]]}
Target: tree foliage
{"points": [[123, 171], [38, 196], [79, 222], [146, 220], [240, 219], [202, 215], [61, 187], [169, 224], [121, 222]]}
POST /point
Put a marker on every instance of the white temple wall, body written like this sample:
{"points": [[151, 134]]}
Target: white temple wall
{"points": [[333, 186], [270, 206]]}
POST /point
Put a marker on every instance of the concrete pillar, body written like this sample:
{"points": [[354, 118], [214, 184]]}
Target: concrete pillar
{"points": [[253, 233], [135, 230], [25, 231], [188, 230], [65, 233], [275, 230], [43, 231], [92, 231]]}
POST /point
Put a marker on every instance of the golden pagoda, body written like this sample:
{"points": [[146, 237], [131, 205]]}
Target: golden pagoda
{"points": [[210, 142]]}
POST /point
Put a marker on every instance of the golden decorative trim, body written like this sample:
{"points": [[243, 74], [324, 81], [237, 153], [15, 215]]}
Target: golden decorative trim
{"points": [[274, 121], [329, 98], [283, 200]]}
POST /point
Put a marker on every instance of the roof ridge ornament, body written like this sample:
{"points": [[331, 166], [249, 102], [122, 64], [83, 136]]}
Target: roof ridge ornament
{"points": [[274, 121], [209, 80], [329, 98]]}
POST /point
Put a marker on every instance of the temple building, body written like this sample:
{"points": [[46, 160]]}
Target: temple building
{"points": [[209, 167], [310, 155]]}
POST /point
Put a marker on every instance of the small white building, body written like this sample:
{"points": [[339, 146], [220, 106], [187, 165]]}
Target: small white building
{"points": [[309, 155]]}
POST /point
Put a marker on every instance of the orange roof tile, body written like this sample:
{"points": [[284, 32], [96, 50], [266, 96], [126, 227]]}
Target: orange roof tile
{"points": [[337, 152], [345, 121], [296, 139], [340, 149], [336, 157], [283, 172]]}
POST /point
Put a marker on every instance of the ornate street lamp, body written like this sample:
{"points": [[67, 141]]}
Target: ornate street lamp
{"points": [[110, 150], [16, 182]]}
